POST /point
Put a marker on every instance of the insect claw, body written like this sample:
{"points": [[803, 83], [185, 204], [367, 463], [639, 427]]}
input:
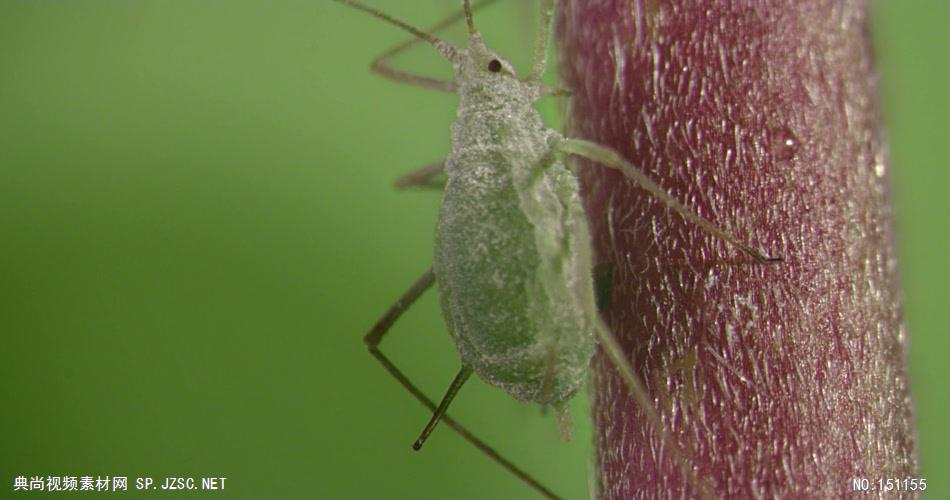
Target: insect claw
{"points": [[765, 259]]}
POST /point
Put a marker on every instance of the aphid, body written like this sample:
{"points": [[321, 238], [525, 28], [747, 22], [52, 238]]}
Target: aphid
{"points": [[512, 250]]}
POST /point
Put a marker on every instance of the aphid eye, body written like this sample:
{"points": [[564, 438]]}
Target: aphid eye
{"points": [[494, 66]]}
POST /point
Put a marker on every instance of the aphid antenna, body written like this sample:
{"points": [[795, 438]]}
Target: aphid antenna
{"points": [[445, 48], [469, 20]]}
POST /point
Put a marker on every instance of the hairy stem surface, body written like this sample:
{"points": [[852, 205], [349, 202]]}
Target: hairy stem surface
{"points": [[778, 379]]}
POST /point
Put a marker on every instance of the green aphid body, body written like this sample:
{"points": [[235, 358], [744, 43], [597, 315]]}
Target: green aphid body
{"points": [[512, 248]]}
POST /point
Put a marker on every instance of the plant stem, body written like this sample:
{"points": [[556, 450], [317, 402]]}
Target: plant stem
{"points": [[781, 379]]}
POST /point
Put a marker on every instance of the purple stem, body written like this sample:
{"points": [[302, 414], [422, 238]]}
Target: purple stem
{"points": [[781, 379]]}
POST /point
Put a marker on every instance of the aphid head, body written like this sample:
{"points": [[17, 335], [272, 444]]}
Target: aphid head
{"points": [[478, 62], [481, 70], [477, 66]]}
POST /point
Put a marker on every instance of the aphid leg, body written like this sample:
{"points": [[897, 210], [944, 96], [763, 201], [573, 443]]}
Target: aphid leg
{"points": [[610, 158], [450, 394], [603, 284], [556, 92], [621, 363], [375, 337], [541, 41], [424, 177], [380, 64]]}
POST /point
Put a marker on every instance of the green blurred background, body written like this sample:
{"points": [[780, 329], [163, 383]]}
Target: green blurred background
{"points": [[198, 226]]}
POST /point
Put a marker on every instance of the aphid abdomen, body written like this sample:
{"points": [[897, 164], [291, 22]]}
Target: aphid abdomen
{"points": [[513, 267]]}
